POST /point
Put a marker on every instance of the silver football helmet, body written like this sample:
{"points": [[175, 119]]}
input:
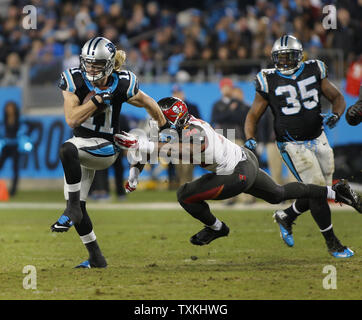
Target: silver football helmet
{"points": [[287, 54], [97, 58]]}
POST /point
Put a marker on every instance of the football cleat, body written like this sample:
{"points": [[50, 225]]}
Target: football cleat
{"points": [[87, 264], [285, 227], [206, 235], [345, 194], [337, 250], [63, 224], [83, 265]]}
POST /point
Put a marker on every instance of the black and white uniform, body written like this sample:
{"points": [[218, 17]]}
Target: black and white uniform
{"points": [[298, 124], [94, 137]]}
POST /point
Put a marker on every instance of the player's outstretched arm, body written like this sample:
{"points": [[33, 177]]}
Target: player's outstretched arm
{"points": [[143, 100], [175, 150], [132, 180]]}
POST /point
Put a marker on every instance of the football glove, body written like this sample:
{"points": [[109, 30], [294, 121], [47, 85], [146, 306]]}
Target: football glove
{"points": [[129, 188], [125, 140], [331, 120], [354, 114], [106, 96], [250, 144]]}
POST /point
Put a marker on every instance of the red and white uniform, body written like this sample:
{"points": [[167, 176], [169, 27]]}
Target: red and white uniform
{"points": [[220, 155]]}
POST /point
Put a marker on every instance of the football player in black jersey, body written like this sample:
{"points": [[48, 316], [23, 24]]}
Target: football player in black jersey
{"points": [[293, 90], [93, 96]]}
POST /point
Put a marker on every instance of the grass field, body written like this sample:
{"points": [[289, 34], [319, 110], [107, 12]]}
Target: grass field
{"points": [[150, 258]]}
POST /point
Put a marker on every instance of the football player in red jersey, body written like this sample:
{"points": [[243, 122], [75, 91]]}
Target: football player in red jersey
{"points": [[233, 170]]}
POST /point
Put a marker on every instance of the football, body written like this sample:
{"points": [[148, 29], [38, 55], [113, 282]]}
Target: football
{"points": [[88, 97]]}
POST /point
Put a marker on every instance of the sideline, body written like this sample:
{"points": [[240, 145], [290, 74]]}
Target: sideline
{"points": [[153, 206]]}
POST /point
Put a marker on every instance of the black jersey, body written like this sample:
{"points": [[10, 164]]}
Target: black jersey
{"points": [[294, 100], [123, 85]]}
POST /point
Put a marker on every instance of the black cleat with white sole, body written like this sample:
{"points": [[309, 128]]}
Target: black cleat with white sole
{"points": [[345, 194], [63, 224], [206, 235]]}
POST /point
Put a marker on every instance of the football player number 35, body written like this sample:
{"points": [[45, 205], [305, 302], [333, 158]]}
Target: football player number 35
{"points": [[309, 98]]}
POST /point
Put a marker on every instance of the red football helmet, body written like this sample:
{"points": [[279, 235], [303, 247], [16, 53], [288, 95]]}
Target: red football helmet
{"points": [[175, 111]]}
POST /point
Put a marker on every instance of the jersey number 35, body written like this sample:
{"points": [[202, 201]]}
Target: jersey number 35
{"points": [[309, 98]]}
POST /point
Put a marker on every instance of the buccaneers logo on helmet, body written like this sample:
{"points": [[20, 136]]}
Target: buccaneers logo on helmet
{"points": [[175, 111]]}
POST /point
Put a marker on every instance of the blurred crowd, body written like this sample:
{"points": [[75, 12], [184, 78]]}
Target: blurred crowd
{"points": [[167, 36]]}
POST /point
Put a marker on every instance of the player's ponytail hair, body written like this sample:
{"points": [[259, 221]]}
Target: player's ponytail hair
{"points": [[120, 58]]}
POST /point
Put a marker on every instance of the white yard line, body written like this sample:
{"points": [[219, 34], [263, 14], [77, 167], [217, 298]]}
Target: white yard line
{"points": [[151, 206]]}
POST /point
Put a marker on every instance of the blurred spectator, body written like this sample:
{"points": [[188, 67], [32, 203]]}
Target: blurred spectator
{"points": [[71, 57], [228, 112], [223, 57], [240, 110], [343, 37], [191, 53], [159, 31], [9, 143], [178, 92], [354, 77], [11, 74]]}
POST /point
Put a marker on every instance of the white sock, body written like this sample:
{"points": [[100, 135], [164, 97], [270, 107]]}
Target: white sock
{"points": [[90, 237], [73, 187], [331, 194], [326, 229], [217, 225], [295, 209]]}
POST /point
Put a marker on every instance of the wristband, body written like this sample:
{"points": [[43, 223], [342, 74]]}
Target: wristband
{"points": [[95, 101]]}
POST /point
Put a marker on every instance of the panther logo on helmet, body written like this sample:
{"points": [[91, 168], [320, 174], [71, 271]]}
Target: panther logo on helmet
{"points": [[110, 46]]}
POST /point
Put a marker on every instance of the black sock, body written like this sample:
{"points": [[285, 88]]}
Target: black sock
{"points": [[73, 210], [328, 235], [291, 213], [95, 253], [321, 213], [301, 205], [74, 199], [84, 228]]}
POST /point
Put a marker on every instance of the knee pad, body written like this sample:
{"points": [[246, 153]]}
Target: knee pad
{"points": [[68, 151]]}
